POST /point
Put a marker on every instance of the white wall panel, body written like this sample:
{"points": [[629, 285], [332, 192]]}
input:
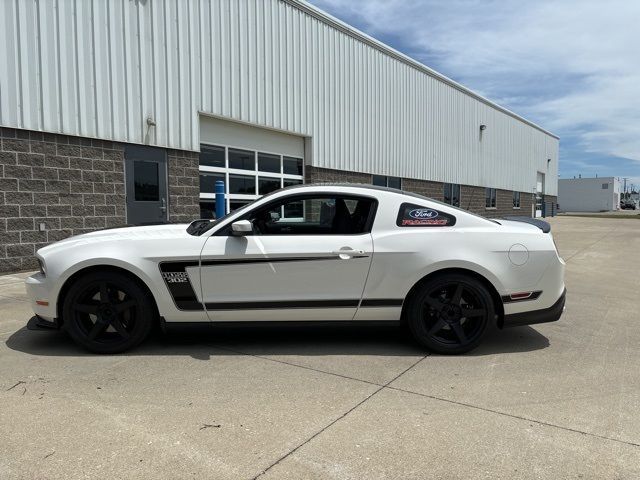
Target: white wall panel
{"points": [[99, 68]]}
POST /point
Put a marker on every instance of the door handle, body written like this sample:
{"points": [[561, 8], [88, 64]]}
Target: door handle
{"points": [[163, 207], [347, 253]]}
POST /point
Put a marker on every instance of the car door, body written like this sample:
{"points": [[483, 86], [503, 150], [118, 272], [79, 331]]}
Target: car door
{"points": [[307, 258]]}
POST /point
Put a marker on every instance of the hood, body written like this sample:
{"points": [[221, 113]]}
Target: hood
{"points": [[121, 233]]}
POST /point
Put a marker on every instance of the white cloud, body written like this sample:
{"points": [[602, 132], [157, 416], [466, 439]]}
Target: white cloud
{"points": [[571, 66]]}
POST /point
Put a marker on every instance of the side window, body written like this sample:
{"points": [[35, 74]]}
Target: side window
{"points": [[411, 215], [318, 215]]}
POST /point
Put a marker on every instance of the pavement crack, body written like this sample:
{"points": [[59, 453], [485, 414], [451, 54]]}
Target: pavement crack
{"points": [[209, 425], [21, 382], [291, 364], [517, 417], [380, 388]]}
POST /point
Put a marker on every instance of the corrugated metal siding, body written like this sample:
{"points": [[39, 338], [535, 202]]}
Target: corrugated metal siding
{"points": [[99, 69]]}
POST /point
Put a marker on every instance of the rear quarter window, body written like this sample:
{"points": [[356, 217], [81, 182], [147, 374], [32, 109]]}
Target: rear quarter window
{"points": [[411, 215]]}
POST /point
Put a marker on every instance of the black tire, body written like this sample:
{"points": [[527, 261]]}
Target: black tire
{"points": [[450, 313], [107, 312]]}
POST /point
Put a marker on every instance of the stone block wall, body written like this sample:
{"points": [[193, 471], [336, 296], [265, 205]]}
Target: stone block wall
{"points": [[52, 187], [72, 185], [184, 186]]}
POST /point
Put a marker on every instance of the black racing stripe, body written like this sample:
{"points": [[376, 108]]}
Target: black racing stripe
{"points": [[534, 296], [236, 261], [282, 304], [382, 302]]}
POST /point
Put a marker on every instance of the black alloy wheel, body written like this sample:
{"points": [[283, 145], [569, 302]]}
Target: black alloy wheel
{"points": [[107, 312], [450, 313]]}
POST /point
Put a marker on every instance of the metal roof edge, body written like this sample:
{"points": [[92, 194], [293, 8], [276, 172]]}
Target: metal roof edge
{"points": [[392, 52]]}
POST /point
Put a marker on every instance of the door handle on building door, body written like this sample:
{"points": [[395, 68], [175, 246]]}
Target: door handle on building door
{"points": [[163, 208]]}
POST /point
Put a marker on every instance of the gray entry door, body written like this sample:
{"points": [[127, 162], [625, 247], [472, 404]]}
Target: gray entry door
{"points": [[146, 189]]}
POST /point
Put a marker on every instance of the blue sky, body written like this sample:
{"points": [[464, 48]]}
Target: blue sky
{"points": [[573, 67]]}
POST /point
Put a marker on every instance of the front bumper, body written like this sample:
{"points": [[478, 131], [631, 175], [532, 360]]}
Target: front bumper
{"points": [[41, 296], [545, 315], [39, 323]]}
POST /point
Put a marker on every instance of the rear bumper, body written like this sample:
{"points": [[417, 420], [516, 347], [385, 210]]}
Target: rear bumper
{"points": [[551, 314]]}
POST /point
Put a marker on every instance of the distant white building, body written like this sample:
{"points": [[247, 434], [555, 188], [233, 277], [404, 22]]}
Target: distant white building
{"points": [[598, 194]]}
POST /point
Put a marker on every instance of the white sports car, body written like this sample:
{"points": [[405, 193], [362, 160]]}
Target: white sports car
{"points": [[306, 253]]}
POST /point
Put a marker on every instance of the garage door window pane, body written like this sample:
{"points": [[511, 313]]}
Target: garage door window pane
{"points": [[208, 181], [242, 159], [211, 156], [145, 177], [292, 166], [268, 163], [267, 185], [208, 210], [236, 205], [288, 183], [242, 185]]}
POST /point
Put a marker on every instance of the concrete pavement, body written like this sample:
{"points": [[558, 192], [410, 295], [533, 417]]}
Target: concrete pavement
{"points": [[552, 401]]}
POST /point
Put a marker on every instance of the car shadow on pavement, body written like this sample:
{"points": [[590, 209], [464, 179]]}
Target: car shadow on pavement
{"points": [[202, 342]]}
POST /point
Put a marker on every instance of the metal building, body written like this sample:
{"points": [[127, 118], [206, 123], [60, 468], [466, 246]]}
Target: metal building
{"points": [[600, 194], [126, 111]]}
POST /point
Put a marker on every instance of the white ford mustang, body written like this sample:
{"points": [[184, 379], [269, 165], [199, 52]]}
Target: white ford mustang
{"points": [[306, 253]]}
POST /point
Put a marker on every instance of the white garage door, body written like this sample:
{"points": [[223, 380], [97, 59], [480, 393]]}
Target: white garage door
{"points": [[251, 161]]}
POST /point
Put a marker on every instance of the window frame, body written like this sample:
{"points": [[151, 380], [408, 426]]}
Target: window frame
{"points": [[493, 199], [386, 181], [519, 198], [451, 190], [226, 230]]}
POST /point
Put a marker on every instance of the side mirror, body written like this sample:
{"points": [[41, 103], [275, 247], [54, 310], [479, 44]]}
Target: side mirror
{"points": [[241, 228]]}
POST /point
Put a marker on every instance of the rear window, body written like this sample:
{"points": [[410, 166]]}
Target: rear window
{"points": [[411, 215]]}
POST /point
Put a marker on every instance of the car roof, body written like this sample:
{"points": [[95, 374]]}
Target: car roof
{"points": [[363, 186]]}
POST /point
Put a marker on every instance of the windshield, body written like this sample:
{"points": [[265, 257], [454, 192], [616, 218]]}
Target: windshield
{"points": [[198, 227]]}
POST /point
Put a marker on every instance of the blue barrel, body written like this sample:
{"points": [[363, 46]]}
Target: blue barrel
{"points": [[220, 201]]}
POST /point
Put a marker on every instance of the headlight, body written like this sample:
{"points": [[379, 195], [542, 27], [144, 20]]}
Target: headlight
{"points": [[42, 269]]}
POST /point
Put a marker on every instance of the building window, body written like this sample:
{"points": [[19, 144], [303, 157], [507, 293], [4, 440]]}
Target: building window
{"points": [[211, 156], [383, 181], [247, 175], [605, 186], [292, 166], [452, 194], [516, 199], [208, 210], [269, 163], [490, 197], [208, 181], [242, 159]]}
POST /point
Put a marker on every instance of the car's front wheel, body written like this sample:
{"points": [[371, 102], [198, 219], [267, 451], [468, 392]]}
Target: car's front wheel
{"points": [[107, 312], [450, 313]]}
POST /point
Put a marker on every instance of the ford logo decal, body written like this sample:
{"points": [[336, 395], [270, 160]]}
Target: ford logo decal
{"points": [[423, 213]]}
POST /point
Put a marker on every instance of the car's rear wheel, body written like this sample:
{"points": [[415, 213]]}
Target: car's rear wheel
{"points": [[449, 314], [107, 312]]}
